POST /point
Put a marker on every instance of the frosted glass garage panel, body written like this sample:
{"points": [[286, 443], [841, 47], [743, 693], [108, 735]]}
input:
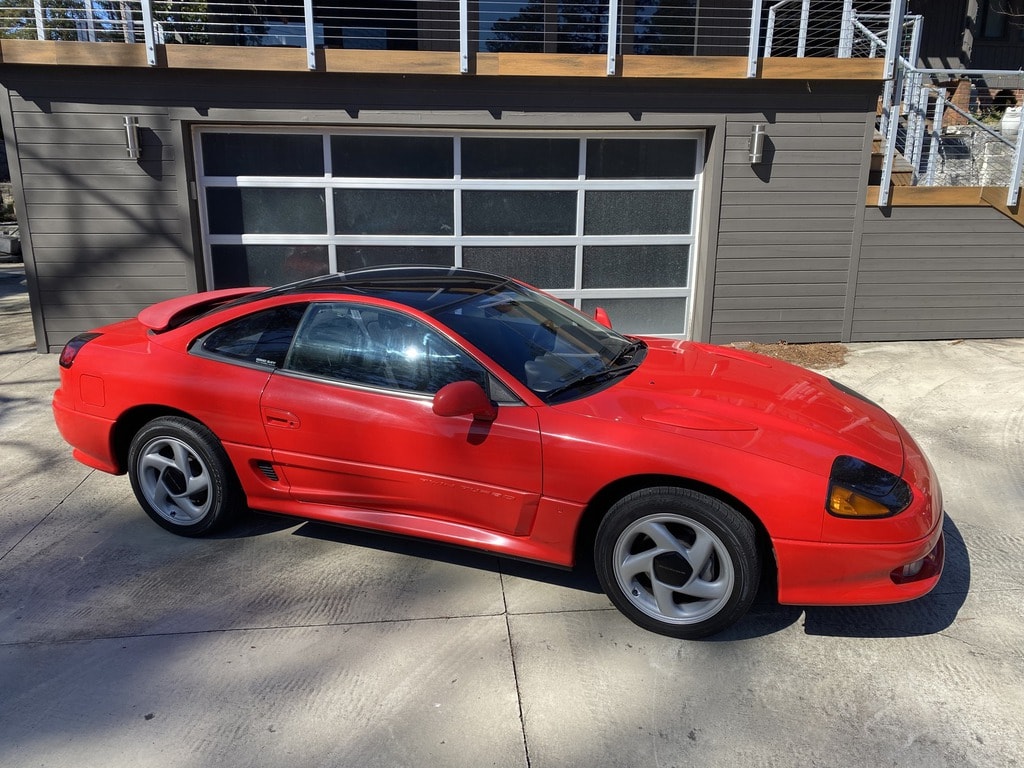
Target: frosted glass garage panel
{"points": [[239, 265], [263, 154], [636, 266], [505, 212], [509, 158], [359, 256], [652, 316], [258, 210], [641, 158], [394, 211], [549, 267], [396, 157], [638, 212]]}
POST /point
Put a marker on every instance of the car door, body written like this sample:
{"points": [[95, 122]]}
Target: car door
{"points": [[222, 383], [350, 421]]}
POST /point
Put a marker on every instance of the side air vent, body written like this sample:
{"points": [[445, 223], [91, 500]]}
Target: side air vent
{"points": [[267, 469]]}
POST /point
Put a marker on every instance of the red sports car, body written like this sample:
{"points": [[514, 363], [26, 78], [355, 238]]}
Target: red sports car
{"points": [[471, 409]]}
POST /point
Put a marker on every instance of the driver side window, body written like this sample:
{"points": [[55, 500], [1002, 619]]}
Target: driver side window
{"points": [[378, 348]]}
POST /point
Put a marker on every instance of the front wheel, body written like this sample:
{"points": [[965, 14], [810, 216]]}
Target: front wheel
{"points": [[182, 477], [678, 562]]}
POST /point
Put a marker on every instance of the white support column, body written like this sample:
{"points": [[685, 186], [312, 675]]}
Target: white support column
{"points": [[805, 18], [37, 9], [307, 10], [915, 41], [127, 22], [1013, 193], [149, 31], [755, 38], [920, 107], [90, 20], [893, 95], [846, 31], [613, 35], [935, 143], [463, 36], [894, 38]]}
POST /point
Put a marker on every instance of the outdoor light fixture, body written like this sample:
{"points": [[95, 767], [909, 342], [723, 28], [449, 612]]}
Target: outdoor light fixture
{"points": [[757, 143], [131, 137]]}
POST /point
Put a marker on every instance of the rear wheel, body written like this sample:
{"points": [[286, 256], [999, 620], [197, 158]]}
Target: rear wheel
{"points": [[678, 562], [182, 477]]}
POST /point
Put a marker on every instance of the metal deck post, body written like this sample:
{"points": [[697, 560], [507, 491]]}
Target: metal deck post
{"points": [[463, 36], [307, 10], [1013, 193], [148, 31], [613, 34], [755, 38], [893, 74], [846, 31]]}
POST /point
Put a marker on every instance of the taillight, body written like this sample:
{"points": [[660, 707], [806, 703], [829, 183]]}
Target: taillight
{"points": [[70, 351]]}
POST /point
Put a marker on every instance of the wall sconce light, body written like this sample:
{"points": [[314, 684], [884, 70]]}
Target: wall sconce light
{"points": [[131, 137], [756, 147]]}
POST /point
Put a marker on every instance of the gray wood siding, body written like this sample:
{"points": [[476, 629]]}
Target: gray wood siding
{"points": [[939, 273], [105, 232], [787, 228]]}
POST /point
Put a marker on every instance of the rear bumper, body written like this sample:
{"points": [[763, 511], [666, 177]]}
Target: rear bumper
{"points": [[815, 573], [89, 436]]}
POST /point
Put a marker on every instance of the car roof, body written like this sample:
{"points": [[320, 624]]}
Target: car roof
{"points": [[422, 287]]}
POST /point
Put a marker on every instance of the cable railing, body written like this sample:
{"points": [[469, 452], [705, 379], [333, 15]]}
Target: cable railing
{"points": [[954, 128], [779, 28], [962, 129]]}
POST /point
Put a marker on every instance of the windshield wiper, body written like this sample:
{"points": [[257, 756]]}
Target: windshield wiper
{"points": [[627, 353], [591, 379]]}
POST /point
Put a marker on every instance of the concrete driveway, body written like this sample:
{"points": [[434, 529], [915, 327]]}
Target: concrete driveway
{"points": [[292, 644]]}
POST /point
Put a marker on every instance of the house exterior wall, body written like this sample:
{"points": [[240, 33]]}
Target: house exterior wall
{"points": [[105, 235], [101, 235], [939, 273], [789, 228], [788, 250], [948, 34]]}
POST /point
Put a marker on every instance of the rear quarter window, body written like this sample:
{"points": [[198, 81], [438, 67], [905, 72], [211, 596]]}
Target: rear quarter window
{"points": [[262, 338]]}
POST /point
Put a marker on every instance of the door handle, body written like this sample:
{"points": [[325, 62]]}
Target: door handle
{"points": [[275, 417]]}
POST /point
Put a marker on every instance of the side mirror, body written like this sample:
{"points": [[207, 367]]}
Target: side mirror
{"points": [[464, 398], [601, 316]]}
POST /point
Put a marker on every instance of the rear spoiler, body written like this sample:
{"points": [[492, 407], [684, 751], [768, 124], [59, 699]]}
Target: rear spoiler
{"points": [[168, 314]]}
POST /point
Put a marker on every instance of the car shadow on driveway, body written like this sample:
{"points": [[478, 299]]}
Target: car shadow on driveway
{"points": [[924, 616], [582, 579], [928, 615]]}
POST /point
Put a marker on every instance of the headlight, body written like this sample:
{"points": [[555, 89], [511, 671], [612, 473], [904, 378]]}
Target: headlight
{"points": [[859, 489]]}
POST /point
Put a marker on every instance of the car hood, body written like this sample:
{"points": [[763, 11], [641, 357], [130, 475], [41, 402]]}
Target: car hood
{"points": [[751, 402]]}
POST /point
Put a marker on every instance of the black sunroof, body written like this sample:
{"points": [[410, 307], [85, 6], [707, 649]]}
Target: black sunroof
{"points": [[421, 287]]}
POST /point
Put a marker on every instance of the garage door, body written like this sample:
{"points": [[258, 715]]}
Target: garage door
{"points": [[603, 219]]}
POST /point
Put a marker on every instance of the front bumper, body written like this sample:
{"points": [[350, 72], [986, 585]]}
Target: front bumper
{"points": [[816, 573]]}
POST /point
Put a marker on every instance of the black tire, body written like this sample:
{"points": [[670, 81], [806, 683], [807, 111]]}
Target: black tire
{"points": [[678, 562], [182, 477]]}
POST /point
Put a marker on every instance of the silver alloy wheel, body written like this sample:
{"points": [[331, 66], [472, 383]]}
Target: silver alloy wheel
{"points": [[673, 568], [175, 480]]}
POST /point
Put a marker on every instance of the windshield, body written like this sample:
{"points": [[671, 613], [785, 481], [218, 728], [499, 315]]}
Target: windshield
{"points": [[548, 346]]}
